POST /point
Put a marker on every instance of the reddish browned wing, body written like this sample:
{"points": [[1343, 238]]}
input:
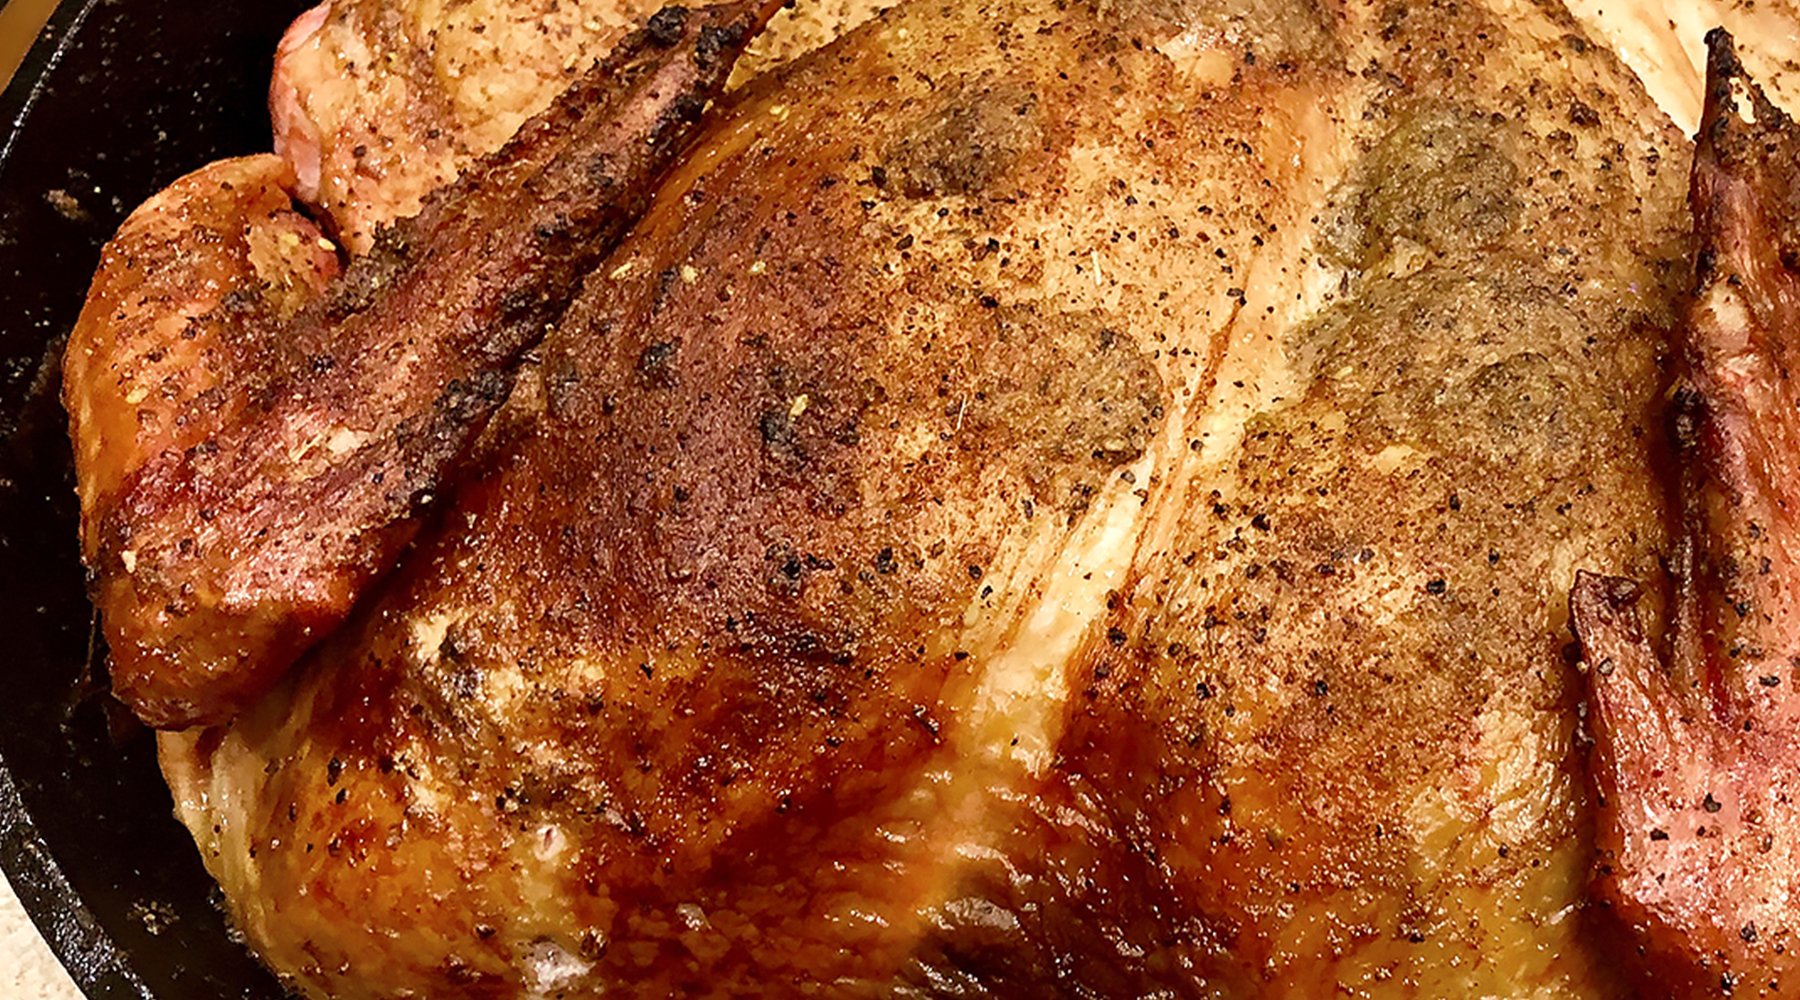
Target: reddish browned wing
{"points": [[222, 246], [219, 559], [1696, 761]]}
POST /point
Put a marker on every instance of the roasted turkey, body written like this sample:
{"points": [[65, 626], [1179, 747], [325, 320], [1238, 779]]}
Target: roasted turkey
{"points": [[990, 498], [376, 103]]}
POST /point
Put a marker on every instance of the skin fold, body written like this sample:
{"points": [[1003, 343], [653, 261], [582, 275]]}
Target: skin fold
{"points": [[1048, 500], [312, 442]]}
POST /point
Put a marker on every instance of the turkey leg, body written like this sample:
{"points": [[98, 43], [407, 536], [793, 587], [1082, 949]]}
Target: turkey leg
{"points": [[1696, 756], [327, 435]]}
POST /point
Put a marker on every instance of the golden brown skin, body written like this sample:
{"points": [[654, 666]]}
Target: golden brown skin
{"points": [[223, 241], [156, 348], [1051, 500], [1696, 761], [1326, 728], [218, 560], [377, 103]]}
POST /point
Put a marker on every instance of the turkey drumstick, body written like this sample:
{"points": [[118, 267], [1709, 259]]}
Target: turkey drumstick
{"points": [[1695, 764], [305, 465]]}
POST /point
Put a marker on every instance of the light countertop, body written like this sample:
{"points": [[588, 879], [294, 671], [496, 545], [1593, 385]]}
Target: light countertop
{"points": [[27, 969]]}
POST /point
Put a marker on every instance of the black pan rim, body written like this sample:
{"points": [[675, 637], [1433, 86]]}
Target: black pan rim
{"points": [[91, 957], [17, 100], [96, 963]]}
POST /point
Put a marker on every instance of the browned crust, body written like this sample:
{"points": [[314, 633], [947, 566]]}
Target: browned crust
{"points": [[218, 563]]}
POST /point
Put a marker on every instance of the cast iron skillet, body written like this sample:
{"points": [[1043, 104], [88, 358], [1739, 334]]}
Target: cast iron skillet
{"points": [[118, 98]]}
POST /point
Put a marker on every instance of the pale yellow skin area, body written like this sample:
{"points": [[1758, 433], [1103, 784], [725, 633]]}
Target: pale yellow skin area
{"points": [[1389, 433], [1663, 42]]}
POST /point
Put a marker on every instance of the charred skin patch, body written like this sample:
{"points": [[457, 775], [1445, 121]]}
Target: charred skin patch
{"points": [[1267, 33], [1076, 394], [967, 140], [1441, 179]]}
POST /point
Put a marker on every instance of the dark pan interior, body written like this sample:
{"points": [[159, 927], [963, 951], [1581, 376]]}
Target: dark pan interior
{"points": [[118, 98]]}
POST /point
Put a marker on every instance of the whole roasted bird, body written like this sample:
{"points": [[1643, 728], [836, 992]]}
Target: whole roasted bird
{"points": [[1016, 499]]}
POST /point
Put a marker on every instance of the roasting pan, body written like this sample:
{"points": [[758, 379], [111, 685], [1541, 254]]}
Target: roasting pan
{"points": [[117, 98]]}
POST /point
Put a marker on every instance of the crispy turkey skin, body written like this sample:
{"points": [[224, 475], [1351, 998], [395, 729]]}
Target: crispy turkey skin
{"points": [[301, 452], [1047, 501], [1067, 499]]}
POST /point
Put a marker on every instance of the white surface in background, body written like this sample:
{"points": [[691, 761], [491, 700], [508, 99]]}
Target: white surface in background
{"points": [[27, 969]]}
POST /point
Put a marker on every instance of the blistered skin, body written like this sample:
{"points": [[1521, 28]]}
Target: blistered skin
{"points": [[1047, 502], [221, 556], [377, 103], [1696, 758]]}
